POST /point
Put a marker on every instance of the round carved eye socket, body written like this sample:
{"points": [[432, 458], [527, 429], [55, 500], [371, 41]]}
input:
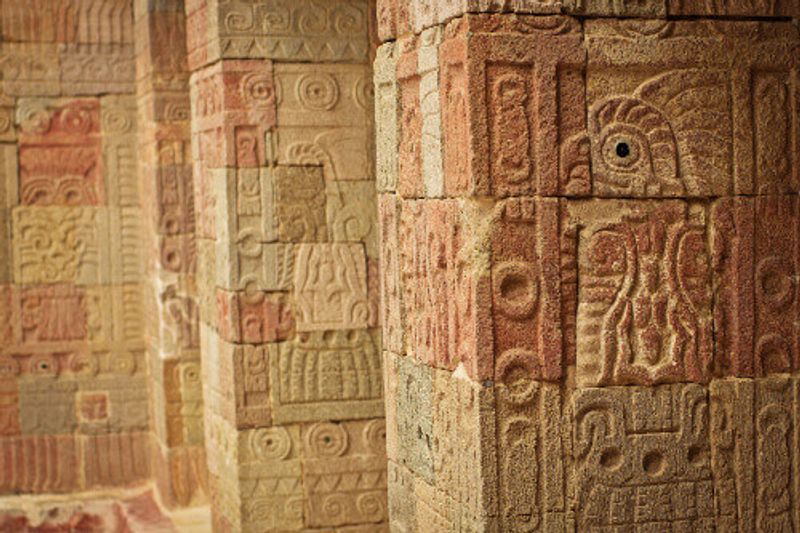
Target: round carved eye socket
{"points": [[622, 150]]}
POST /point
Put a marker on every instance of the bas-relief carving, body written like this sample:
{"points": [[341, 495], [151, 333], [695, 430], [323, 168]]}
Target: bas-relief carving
{"points": [[644, 294], [755, 259], [754, 436], [68, 21], [39, 463], [671, 137], [97, 69], [30, 69], [56, 244], [326, 375], [439, 285], [344, 473], [327, 95], [270, 478], [293, 30], [526, 303], [530, 453], [642, 458], [330, 286], [715, 124], [300, 203]]}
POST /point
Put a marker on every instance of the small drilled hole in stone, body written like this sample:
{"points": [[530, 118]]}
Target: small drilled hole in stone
{"points": [[622, 149]]}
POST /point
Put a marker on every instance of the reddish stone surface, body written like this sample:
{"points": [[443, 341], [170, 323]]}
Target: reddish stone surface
{"points": [[440, 286], [756, 253], [521, 82], [234, 108], [526, 307], [253, 318], [60, 159], [53, 313]]}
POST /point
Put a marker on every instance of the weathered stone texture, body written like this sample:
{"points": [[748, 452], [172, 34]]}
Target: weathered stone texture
{"points": [[589, 253]]}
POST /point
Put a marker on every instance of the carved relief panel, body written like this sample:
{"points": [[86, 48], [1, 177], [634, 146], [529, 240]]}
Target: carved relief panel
{"points": [[644, 292], [524, 81], [691, 108], [642, 458]]}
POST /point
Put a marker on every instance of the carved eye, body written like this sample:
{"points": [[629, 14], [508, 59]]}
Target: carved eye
{"points": [[622, 150]]}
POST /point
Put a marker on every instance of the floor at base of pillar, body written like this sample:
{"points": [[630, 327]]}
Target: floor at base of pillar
{"points": [[133, 510]]}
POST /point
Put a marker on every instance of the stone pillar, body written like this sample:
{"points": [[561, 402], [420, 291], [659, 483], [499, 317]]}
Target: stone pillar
{"points": [[590, 242], [172, 322], [287, 263], [73, 383]]}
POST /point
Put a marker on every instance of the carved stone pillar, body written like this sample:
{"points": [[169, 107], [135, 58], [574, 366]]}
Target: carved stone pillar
{"points": [[287, 263], [172, 322], [590, 242]]}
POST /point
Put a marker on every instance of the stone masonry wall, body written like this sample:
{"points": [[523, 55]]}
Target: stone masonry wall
{"points": [[590, 242], [172, 318], [287, 246], [73, 381]]}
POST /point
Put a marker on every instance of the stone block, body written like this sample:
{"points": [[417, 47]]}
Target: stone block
{"points": [[644, 292], [409, 154], [46, 405], [641, 458], [253, 318], [74, 21], [754, 447], [604, 8], [40, 464], [251, 383], [352, 214], [9, 167], [344, 473], [415, 418], [30, 69], [326, 375], [116, 459], [736, 8], [513, 97], [300, 203], [120, 154], [391, 291], [68, 121], [338, 33], [53, 313], [532, 449], [97, 68], [386, 117], [9, 403], [324, 94], [463, 448], [710, 114], [755, 256], [271, 478], [526, 304], [430, 108], [8, 129], [330, 286], [445, 288], [401, 498]]}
